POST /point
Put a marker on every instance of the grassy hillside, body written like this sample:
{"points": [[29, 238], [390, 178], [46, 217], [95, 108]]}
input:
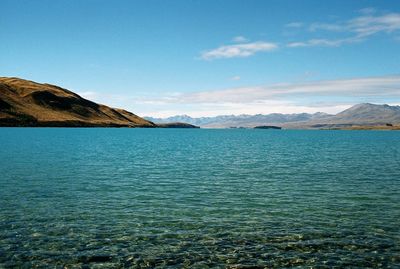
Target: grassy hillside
{"points": [[27, 103]]}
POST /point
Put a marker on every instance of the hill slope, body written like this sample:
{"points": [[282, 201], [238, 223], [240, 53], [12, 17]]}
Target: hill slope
{"points": [[27, 103], [368, 114]]}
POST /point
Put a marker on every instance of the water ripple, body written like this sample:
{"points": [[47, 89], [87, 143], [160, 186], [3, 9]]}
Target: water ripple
{"points": [[141, 198]]}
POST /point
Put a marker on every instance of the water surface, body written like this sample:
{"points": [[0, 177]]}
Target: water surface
{"points": [[168, 198]]}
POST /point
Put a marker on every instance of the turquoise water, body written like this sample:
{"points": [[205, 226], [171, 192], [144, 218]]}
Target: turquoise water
{"points": [[168, 198]]}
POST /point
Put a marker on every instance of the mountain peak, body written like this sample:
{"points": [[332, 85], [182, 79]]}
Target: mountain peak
{"points": [[367, 113], [372, 106]]}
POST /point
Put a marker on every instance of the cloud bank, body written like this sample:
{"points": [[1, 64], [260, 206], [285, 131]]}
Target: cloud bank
{"points": [[329, 96], [357, 87]]}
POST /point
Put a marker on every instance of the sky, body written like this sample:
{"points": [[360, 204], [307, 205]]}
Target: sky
{"points": [[208, 57]]}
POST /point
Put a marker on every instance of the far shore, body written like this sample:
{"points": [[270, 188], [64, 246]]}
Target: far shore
{"points": [[188, 126]]}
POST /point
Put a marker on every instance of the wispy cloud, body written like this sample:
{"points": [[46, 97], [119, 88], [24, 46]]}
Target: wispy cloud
{"points": [[328, 96], [367, 10], [357, 29], [238, 50], [240, 39], [235, 78], [325, 26], [325, 42], [370, 25], [294, 25], [88, 94], [361, 87]]}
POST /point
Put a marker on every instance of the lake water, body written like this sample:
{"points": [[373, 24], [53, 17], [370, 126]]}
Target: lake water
{"points": [[169, 198]]}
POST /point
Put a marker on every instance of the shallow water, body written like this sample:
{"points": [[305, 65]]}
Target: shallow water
{"points": [[112, 198]]}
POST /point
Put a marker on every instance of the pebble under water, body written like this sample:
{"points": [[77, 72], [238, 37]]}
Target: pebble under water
{"points": [[168, 198]]}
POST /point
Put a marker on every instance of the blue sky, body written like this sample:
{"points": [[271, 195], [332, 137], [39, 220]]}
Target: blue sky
{"points": [[213, 57]]}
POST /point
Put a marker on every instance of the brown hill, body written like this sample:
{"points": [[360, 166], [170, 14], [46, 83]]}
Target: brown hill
{"points": [[27, 103]]}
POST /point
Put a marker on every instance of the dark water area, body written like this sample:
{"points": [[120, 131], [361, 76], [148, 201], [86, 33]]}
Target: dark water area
{"points": [[169, 198]]}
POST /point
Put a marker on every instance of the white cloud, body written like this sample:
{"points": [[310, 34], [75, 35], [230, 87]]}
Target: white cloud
{"points": [[210, 110], [88, 94], [361, 87], [326, 42], [325, 26], [238, 50], [369, 25], [235, 78], [329, 96], [294, 25], [357, 29], [367, 10], [240, 39]]}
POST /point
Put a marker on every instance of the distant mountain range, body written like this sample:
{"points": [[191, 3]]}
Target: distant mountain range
{"points": [[227, 121], [359, 115]]}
